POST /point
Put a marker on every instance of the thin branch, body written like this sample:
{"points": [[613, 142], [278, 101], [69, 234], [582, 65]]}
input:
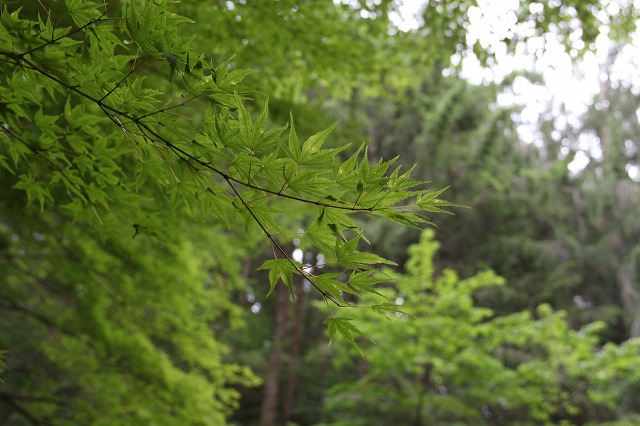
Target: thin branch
{"points": [[122, 80], [69, 34], [33, 398], [22, 411], [13, 306], [45, 9], [168, 107], [275, 243]]}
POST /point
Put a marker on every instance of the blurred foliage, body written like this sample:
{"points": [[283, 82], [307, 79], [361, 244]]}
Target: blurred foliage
{"points": [[456, 363], [141, 166], [458, 135]]}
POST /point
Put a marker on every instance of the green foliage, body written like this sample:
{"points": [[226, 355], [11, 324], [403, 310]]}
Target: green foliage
{"points": [[132, 153], [119, 327], [587, 15], [131, 163], [457, 135], [456, 362], [201, 149], [296, 45]]}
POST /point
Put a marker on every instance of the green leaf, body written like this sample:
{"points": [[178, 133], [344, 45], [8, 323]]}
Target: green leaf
{"points": [[345, 328], [36, 190], [405, 218], [222, 70], [311, 152], [345, 173], [294, 149], [5, 164], [246, 125], [308, 181], [281, 269], [349, 257], [386, 308], [322, 236], [330, 286], [338, 217], [229, 80], [429, 202], [364, 281]]}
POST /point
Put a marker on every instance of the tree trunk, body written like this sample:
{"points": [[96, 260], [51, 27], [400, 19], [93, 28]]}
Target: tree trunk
{"points": [[630, 298], [269, 409], [297, 336]]}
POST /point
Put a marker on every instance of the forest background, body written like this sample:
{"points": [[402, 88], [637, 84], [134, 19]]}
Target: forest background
{"points": [[164, 167]]}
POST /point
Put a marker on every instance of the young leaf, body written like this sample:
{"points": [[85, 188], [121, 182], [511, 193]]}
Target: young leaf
{"points": [[346, 329], [281, 269], [349, 257]]}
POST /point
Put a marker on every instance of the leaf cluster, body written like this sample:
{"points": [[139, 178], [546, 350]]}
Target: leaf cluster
{"points": [[94, 113]]}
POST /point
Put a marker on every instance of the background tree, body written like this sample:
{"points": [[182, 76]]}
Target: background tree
{"points": [[140, 161], [604, 239], [457, 363]]}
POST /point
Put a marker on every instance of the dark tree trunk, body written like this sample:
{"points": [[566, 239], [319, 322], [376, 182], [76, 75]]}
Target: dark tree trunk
{"points": [[269, 409], [297, 336]]}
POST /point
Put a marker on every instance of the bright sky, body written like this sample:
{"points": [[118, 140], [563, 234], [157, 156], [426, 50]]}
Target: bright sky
{"points": [[565, 84]]}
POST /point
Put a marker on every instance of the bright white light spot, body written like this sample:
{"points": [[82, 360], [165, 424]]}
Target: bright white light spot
{"points": [[256, 308], [589, 142], [320, 260], [536, 8], [613, 8], [634, 172], [406, 17], [630, 147], [491, 22], [401, 315], [578, 164], [581, 302], [367, 15], [399, 301], [298, 255]]}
